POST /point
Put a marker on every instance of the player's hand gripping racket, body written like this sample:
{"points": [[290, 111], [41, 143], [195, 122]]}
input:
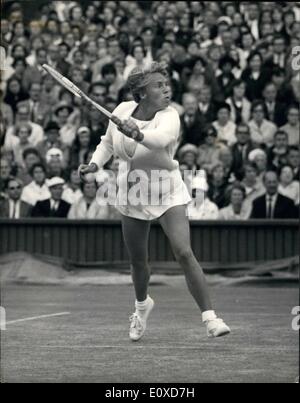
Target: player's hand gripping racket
{"points": [[78, 93]]}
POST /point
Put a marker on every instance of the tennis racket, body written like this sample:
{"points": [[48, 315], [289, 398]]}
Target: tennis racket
{"points": [[64, 81]]}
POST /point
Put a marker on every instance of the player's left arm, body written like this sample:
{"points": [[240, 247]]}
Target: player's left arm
{"points": [[166, 131]]}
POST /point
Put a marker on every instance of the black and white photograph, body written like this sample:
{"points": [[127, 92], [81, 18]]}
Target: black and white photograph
{"points": [[149, 194]]}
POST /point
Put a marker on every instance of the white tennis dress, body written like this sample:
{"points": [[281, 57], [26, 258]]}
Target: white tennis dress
{"points": [[149, 180]]}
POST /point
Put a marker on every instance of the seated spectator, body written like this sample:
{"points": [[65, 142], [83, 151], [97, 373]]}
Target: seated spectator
{"points": [[278, 154], [36, 73], [78, 60], [5, 174], [53, 140], [278, 58], [55, 163], [137, 58], [239, 104], [37, 189], [285, 91], [67, 129], [227, 78], [72, 192], [23, 132], [112, 82], [23, 117], [275, 110], [87, 207], [224, 126], [56, 61], [292, 127], [21, 69], [192, 122], [201, 75], [13, 206], [54, 207], [81, 145], [206, 104], [14, 94], [272, 204], [217, 185], [77, 104], [254, 76], [262, 131], [241, 149], [287, 185], [50, 91], [208, 153], [294, 161], [201, 208], [237, 209], [77, 76], [259, 157], [7, 113], [226, 158], [253, 186], [38, 109], [188, 154]]}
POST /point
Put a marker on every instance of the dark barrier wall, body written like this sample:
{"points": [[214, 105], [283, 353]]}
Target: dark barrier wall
{"points": [[213, 241]]}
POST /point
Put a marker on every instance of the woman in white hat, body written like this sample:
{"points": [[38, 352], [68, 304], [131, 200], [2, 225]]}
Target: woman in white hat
{"points": [[201, 208], [145, 140]]}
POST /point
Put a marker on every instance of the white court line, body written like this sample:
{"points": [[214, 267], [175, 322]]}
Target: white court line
{"points": [[127, 347], [37, 317]]}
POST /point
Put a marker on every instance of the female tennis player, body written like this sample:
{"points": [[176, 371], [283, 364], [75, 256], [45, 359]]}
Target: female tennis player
{"points": [[146, 138]]}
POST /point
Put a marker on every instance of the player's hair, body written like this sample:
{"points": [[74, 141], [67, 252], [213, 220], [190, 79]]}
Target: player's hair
{"points": [[139, 78]]}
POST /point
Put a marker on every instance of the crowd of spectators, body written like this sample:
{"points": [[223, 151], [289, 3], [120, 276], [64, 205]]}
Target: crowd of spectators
{"points": [[233, 84]]}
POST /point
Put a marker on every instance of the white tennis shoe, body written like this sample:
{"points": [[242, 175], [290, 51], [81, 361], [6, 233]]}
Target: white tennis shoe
{"points": [[216, 328], [138, 323]]}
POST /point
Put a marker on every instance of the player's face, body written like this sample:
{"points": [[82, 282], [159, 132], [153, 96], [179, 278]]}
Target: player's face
{"points": [[158, 91]]}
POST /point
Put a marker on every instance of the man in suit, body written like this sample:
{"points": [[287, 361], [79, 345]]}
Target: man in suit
{"points": [[56, 61], [294, 161], [206, 105], [192, 123], [276, 111], [13, 207], [241, 149], [278, 58], [54, 207], [272, 204]]}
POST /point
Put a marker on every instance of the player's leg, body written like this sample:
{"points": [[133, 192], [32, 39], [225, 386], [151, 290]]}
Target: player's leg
{"points": [[136, 235], [177, 228]]}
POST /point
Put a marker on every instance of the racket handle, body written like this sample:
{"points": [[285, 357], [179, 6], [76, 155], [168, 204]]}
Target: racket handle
{"points": [[116, 120], [135, 134]]}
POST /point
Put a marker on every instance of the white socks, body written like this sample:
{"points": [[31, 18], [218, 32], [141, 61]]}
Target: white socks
{"points": [[208, 315], [141, 307]]}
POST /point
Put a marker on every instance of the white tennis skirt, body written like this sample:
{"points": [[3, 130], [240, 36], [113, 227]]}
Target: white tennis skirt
{"points": [[153, 199]]}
